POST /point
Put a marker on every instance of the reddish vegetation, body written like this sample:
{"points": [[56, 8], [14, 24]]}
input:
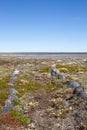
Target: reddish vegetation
{"points": [[7, 122]]}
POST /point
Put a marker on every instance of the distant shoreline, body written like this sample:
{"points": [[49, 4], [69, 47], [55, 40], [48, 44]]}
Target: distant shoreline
{"points": [[45, 55]]}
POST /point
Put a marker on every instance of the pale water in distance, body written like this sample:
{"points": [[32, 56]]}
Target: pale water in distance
{"points": [[46, 55]]}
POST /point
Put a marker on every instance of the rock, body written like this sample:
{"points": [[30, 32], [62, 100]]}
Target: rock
{"points": [[83, 95], [13, 79], [12, 97], [66, 103], [16, 72], [56, 126], [56, 72], [73, 84], [13, 91], [77, 88], [8, 106], [53, 66], [60, 76], [10, 84], [9, 103], [72, 63]]}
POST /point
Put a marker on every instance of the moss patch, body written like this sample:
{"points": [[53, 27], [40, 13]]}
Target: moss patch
{"points": [[16, 102], [3, 82], [70, 68], [53, 85], [29, 86], [44, 69]]}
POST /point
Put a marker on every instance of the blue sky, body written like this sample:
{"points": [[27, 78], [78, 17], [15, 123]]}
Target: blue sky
{"points": [[43, 25]]}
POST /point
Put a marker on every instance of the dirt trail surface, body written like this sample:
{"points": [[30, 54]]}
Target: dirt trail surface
{"points": [[43, 103]]}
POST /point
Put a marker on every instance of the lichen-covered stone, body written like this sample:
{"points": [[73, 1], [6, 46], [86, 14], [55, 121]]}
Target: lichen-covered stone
{"points": [[8, 106], [13, 91]]}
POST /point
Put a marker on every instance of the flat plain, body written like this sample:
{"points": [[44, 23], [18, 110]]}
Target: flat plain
{"points": [[43, 103]]}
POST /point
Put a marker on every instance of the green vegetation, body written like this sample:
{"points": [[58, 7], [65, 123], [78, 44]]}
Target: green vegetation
{"points": [[3, 93], [16, 102], [26, 85], [21, 118], [3, 90], [3, 82], [19, 95], [70, 68], [44, 69], [53, 92], [53, 85], [32, 86], [50, 86], [3, 62], [2, 97]]}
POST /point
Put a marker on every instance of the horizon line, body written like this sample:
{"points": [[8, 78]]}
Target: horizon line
{"points": [[43, 52]]}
